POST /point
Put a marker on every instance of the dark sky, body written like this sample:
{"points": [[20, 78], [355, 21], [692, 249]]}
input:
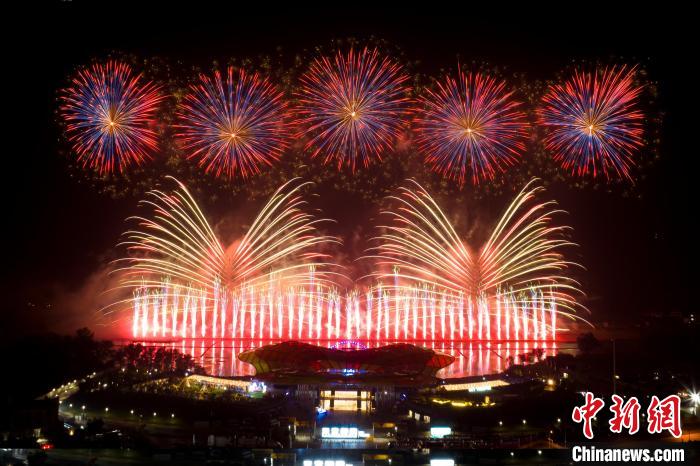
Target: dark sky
{"points": [[638, 251]]}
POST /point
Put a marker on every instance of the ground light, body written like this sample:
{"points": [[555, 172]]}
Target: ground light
{"points": [[325, 462], [440, 432]]}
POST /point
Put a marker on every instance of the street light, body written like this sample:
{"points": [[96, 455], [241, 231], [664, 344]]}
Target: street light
{"points": [[695, 398]]}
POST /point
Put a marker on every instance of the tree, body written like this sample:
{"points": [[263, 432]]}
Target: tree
{"points": [[587, 343]]}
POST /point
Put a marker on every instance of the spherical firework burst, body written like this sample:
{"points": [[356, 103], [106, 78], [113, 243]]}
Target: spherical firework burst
{"points": [[352, 107], [593, 122], [110, 115], [470, 126], [234, 125]]}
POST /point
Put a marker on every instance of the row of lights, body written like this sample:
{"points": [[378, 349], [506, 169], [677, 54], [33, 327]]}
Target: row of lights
{"points": [[524, 422], [70, 384], [539, 452], [155, 414]]}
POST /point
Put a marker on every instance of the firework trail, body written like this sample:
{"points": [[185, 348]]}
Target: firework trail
{"points": [[178, 244], [593, 122], [470, 126], [110, 115], [234, 125], [523, 254], [352, 108]]}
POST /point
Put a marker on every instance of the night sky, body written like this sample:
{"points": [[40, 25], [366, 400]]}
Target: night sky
{"points": [[637, 249]]}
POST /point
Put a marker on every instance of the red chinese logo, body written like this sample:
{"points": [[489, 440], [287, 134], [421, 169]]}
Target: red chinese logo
{"points": [[665, 415], [662, 415], [625, 415], [587, 412]]}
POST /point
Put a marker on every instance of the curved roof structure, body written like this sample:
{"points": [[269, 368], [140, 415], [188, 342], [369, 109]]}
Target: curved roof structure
{"points": [[297, 362]]}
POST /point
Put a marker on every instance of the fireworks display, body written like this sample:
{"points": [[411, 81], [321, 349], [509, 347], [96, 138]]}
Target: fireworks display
{"points": [[178, 243], [470, 126], [234, 125], [110, 117], [352, 108], [593, 122], [313, 312], [275, 284], [521, 259], [277, 281]]}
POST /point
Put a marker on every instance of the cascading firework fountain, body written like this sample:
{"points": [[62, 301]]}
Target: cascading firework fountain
{"points": [[274, 284], [312, 314]]}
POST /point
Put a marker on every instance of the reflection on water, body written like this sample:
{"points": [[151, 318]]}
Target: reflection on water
{"points": [[220, 357]]}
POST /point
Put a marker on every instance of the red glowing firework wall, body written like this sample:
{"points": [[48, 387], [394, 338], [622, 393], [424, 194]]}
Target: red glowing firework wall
{"points": [[379, 314]]}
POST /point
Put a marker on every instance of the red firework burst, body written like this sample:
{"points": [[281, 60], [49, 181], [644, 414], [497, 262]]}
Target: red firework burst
{"points": [[352, 107], [593, 123], [110, 114], [470, 124], [234, 125]]}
